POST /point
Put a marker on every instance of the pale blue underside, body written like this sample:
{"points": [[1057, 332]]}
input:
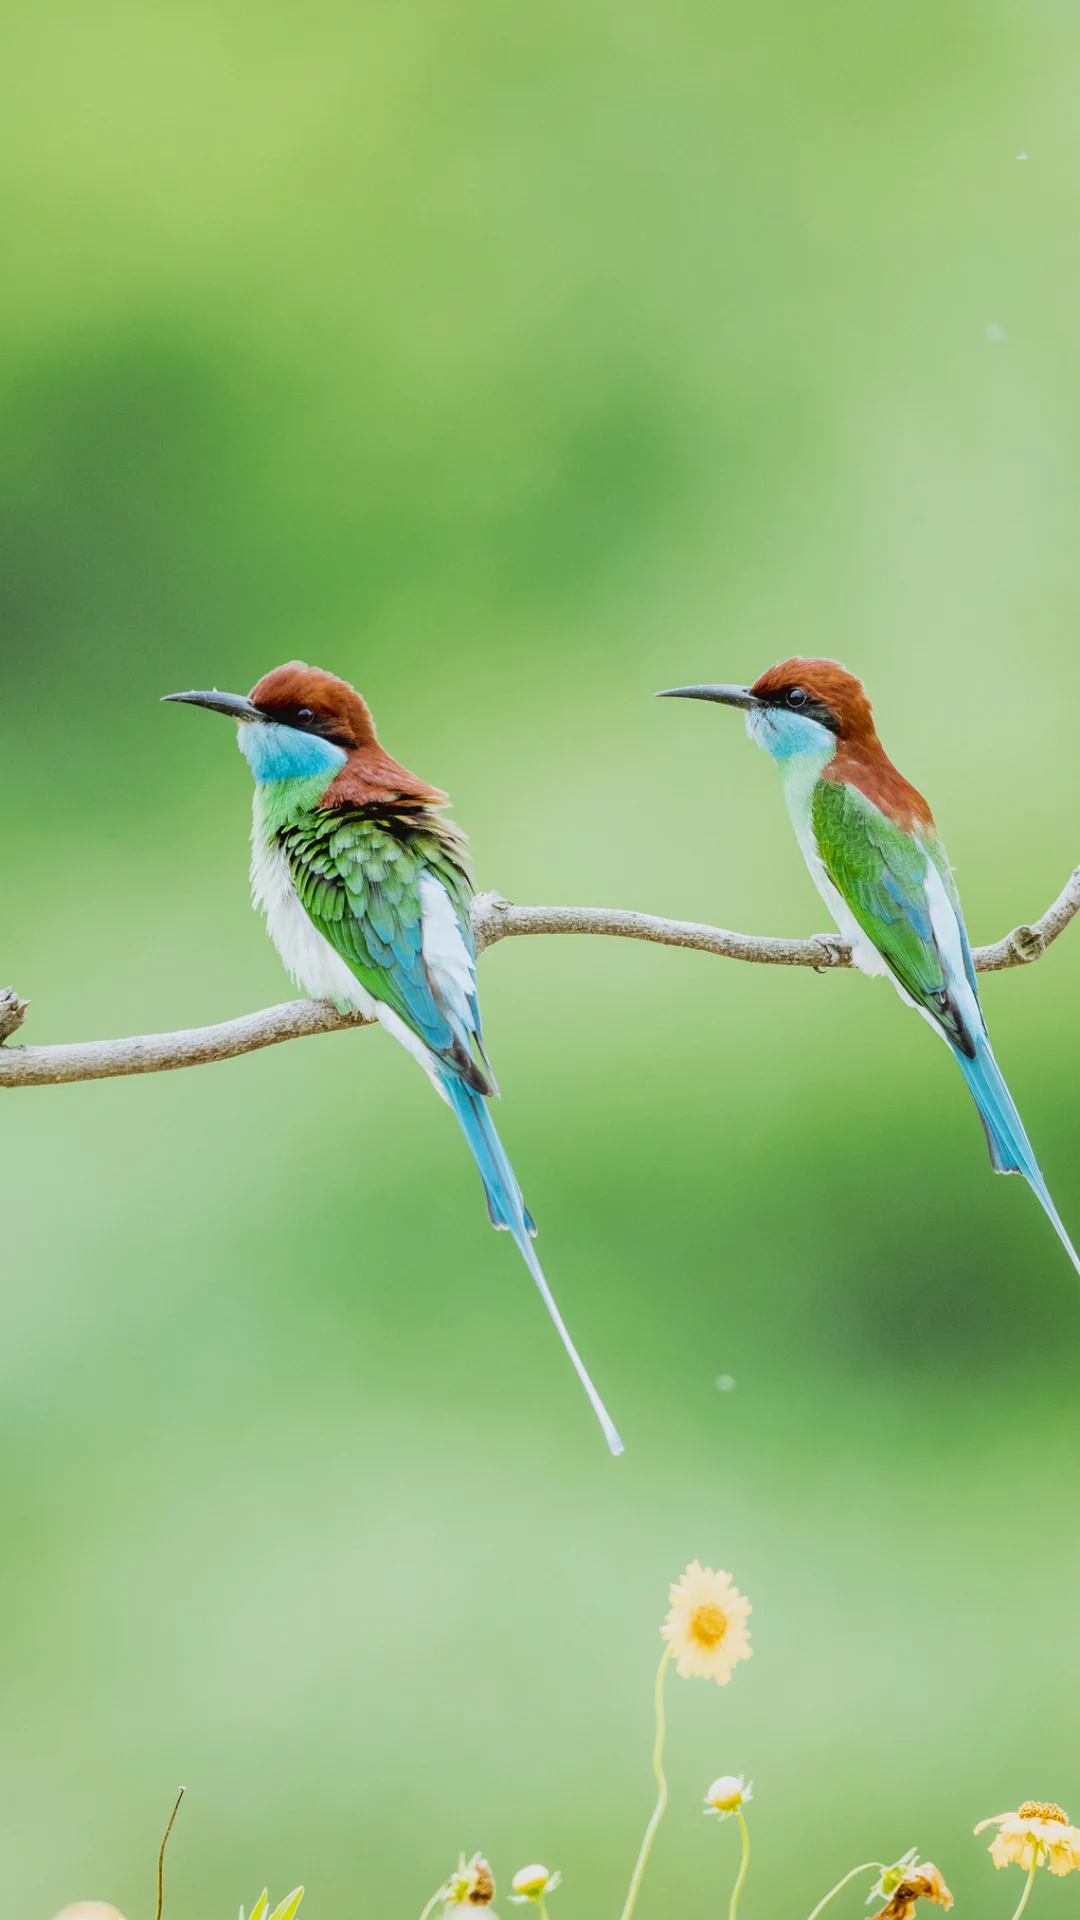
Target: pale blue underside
{"points": [[285, 753]]}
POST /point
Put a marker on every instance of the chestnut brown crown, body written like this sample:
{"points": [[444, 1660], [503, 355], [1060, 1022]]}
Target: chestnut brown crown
{"points": [[825, 691], [833, 696], [297, 695]]}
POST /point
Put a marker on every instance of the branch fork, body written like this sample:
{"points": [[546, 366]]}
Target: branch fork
{"points": [[494, 919]]}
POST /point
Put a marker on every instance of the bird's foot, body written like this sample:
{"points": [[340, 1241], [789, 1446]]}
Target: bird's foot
{"points": [[12, 1013], [835, 952]]}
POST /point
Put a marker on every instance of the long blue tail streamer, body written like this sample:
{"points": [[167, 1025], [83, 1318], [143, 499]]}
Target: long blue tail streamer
{"points": [[507, 1209], [1010, 1148]]}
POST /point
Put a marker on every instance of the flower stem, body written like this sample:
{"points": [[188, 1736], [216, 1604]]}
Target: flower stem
{"points": [[866, 1867], [661, 1783], [161, 1855], [1030, 1878], [738, 1887]]}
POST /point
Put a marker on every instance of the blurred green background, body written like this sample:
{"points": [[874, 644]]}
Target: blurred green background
{"points": [[514, 362]]}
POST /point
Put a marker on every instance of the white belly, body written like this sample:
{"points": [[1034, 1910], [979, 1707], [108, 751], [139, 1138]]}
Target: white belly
{"points": [[305, 953]]}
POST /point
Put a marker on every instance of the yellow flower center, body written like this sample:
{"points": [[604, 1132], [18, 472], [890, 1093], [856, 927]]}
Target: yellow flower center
{"points": [[708, 1624], [1043, 1810]]}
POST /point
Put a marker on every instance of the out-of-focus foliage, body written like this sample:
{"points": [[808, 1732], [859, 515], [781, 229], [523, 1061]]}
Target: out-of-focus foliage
{"points": [[284, 1911], [515, 362]]}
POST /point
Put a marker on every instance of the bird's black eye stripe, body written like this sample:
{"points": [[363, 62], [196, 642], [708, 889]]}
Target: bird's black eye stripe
{"points": [[309, 720], [799, 700]]}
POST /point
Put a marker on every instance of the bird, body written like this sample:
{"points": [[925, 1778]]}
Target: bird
{"points": [[366, 889], [878, 862]]}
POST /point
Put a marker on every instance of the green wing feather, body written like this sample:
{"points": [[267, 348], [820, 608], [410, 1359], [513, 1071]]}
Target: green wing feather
{"points": [[358, 878], [880, 872]]}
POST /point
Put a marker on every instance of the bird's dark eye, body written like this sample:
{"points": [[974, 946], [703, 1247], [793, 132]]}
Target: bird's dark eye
{"points": [[304, 714], [796, 697]]}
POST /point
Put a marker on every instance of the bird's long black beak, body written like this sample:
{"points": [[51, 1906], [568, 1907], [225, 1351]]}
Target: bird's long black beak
{"points": [[727, 696], [236, 706]]}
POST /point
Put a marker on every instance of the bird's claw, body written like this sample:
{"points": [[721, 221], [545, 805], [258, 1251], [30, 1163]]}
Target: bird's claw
{"points": [[12, 1013], [835, 952]]}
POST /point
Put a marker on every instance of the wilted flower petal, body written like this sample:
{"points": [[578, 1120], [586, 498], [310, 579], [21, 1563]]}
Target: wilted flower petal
{"points": [[922, 1883], [473, 1885]]}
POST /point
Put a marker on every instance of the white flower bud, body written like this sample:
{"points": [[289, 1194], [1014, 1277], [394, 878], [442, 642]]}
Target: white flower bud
{"points": [[727, 1794], [532, 1883]]}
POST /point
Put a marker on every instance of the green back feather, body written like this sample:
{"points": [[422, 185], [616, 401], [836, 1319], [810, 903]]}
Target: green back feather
{"points": [[880, 872], [357, 875]]}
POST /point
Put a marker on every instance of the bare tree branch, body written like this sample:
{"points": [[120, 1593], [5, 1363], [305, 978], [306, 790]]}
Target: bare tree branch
{"points": [[1025, 944], [496, 919], [156, 1052], [493, 919]]}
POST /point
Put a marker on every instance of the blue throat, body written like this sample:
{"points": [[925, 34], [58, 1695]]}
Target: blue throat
{"points": [[284, 753], [787, 736]]}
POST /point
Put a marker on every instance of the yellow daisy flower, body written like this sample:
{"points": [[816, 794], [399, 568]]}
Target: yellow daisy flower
{"points": [[706, 1627], [1037, 1835]]}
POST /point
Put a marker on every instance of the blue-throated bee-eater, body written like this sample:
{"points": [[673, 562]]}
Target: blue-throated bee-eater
{"points": [[366, 890], [876, 858]]}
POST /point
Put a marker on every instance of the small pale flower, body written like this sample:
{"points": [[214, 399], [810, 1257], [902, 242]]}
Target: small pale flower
{"points": [[706, 1627], [90, 1910], [1038, 1834], [533, 1883], [728, 1794]]}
